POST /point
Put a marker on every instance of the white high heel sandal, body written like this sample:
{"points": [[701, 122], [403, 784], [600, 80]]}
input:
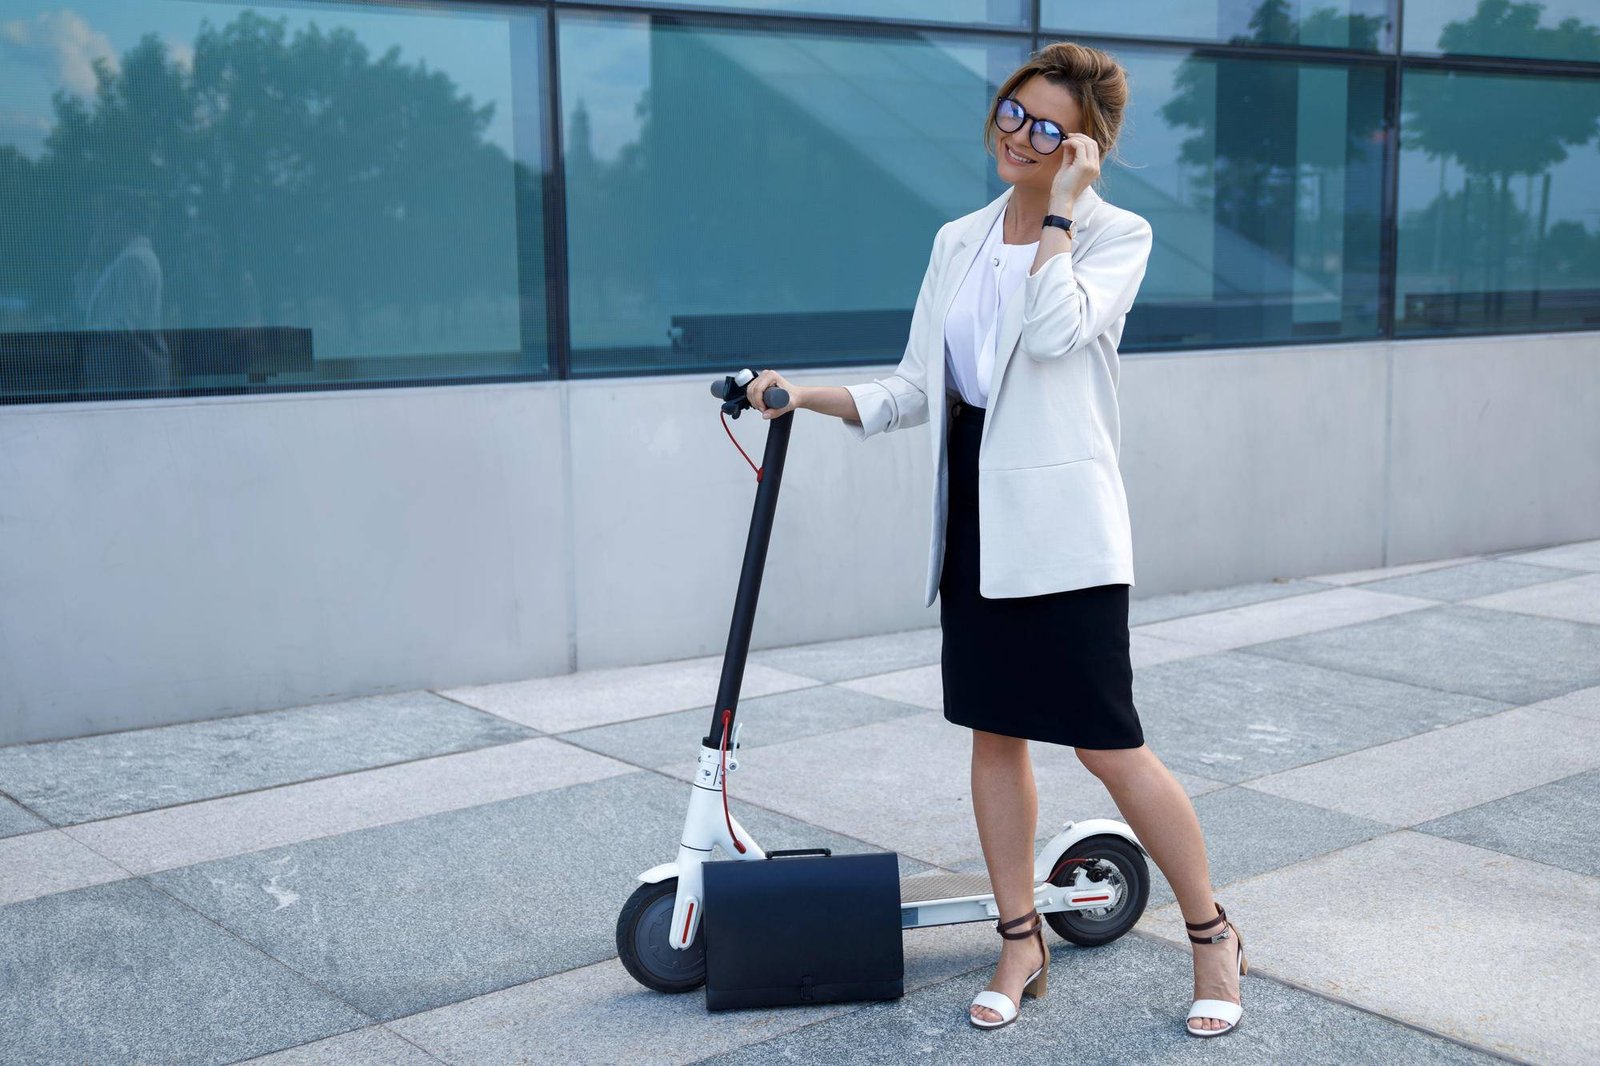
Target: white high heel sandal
{"points": [[1038, 981], [1221, 1009]]}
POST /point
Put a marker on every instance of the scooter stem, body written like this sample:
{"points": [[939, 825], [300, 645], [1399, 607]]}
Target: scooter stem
{"points": [[755, 561]]}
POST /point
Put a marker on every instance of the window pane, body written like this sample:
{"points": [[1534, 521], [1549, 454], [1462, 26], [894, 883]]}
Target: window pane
{"points": [[223, 197], [1548, 29], [1263, 182], [973, 12], [1499, 221], [1364, 24], [738, 197]]}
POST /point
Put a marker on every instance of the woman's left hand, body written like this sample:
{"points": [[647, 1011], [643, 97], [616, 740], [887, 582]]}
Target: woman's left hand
{"points": [[1079, 170]]}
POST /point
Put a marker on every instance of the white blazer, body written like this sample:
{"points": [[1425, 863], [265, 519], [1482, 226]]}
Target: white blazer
{"points": [[1053, 514]]}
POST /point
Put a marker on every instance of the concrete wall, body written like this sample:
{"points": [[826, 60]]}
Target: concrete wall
{"points": [[162, 561], [169, 560]]}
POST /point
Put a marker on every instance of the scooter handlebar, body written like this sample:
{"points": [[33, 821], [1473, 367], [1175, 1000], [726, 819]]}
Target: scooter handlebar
{"points": [[775, 396]]}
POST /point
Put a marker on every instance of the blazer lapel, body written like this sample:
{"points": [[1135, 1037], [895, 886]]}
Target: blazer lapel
{"points": [[1011, 323], [961, 258], [954, 272]]}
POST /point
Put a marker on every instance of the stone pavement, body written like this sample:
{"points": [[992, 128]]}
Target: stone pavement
{"points": [[1398, 772]]}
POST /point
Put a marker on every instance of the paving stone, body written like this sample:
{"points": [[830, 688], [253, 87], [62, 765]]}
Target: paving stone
{"points": [[39, 864], [672, 741], [1145, 650], [1233, 716], [921, 686], [403, 918], [1483, 577], [1424, 949], [1248, 833], [372, 1046], [1584, 703], [905, 784], [121, 973], [624, 1022], [1436, 773], [1148, 609], [840, 660], [1357, 577], [1581, 555], [71, 781], [14, 820], [1123, 1003], [464, 886], [595, 697], [1553, 824], [1577, 599], [1238, 626], [1497, 655], [234, 825]]}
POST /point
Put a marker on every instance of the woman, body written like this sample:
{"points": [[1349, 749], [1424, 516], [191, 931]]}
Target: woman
{"points": [[1035, 609]]}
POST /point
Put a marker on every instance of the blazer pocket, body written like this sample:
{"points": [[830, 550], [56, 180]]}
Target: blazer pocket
{"points": [[1046, 416]]}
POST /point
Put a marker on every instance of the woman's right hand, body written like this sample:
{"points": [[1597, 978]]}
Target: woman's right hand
{"points": [[764, 381]]}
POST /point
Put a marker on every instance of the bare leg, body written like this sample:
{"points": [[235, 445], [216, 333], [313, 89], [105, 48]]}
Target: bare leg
{"points": [[1006, 806], [1160, 814]]}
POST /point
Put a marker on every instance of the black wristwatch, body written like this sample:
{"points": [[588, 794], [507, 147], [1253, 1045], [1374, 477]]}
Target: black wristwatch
{"points": [[1061, 221]]}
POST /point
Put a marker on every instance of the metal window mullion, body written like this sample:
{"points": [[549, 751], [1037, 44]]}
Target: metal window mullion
{"points": [[557, 276], [1389, 211]]}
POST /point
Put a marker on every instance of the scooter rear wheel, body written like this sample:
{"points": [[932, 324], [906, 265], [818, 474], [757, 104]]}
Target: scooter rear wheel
{"points": [[642, 931], [1125, 867]]}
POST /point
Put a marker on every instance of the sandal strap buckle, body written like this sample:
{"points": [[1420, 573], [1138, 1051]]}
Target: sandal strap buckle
{"points": [[1200, 927]]}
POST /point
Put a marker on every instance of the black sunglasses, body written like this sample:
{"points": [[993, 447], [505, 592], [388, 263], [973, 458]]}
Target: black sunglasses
{"points": [[1045, 136]]}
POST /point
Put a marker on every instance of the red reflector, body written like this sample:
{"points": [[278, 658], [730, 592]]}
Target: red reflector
{"points": [[687, 918], [1091, 899]]}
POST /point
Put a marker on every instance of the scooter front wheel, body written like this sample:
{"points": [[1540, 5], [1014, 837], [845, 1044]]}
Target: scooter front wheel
{"points": [[642, 931], [1122, 864]]}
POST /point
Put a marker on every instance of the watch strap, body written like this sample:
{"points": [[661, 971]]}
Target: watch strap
{"points": [[1059, 221]]}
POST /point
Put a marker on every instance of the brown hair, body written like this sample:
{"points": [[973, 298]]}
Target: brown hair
{"points": [[1095, 79]]}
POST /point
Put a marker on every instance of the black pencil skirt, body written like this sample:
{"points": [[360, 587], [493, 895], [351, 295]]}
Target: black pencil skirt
{"points": [[1053, 667]]}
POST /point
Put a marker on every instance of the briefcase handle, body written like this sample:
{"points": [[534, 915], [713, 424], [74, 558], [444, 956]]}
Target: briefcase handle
{"points": [[800, 851]]}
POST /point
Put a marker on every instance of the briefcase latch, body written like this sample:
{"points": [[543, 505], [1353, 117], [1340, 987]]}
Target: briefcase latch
{"points": [[808, 988]]}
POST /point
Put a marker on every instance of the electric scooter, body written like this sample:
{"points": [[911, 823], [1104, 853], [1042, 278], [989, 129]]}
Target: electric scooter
{"points": [[1091, 880]]}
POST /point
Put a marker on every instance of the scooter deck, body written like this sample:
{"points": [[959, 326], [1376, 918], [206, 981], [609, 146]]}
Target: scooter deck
{"points": [[937, 884]]}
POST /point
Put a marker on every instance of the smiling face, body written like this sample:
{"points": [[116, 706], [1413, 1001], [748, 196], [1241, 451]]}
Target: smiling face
{"points": [[1017, 160]]}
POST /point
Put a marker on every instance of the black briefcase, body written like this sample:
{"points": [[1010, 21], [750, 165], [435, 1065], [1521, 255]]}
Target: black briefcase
{"points": [[788, 929]]}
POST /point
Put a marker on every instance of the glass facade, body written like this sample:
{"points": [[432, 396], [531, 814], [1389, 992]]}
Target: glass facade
{"points": [[1365, 25], [1013, 13], [218, 196], [777, 203], [1263, 181], [1499, 212], [1546, 29], [213, 196]]}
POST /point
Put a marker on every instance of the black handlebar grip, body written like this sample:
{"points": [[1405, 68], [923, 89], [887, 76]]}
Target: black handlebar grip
{"points": [[775, 396]]}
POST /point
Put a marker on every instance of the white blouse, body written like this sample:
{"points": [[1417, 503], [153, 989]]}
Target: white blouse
{"points": [[971, 330]]}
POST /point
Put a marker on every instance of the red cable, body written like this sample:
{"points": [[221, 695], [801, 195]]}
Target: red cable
{"points": [[727, 715], [735, 440]]}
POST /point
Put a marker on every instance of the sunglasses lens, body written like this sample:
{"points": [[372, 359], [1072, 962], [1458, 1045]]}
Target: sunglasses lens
{"points": [[1008, 115], [1045, 137]]}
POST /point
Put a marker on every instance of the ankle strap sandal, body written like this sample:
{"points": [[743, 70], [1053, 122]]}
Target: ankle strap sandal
{"points": [[1037, 983], [1221, 1009]]}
